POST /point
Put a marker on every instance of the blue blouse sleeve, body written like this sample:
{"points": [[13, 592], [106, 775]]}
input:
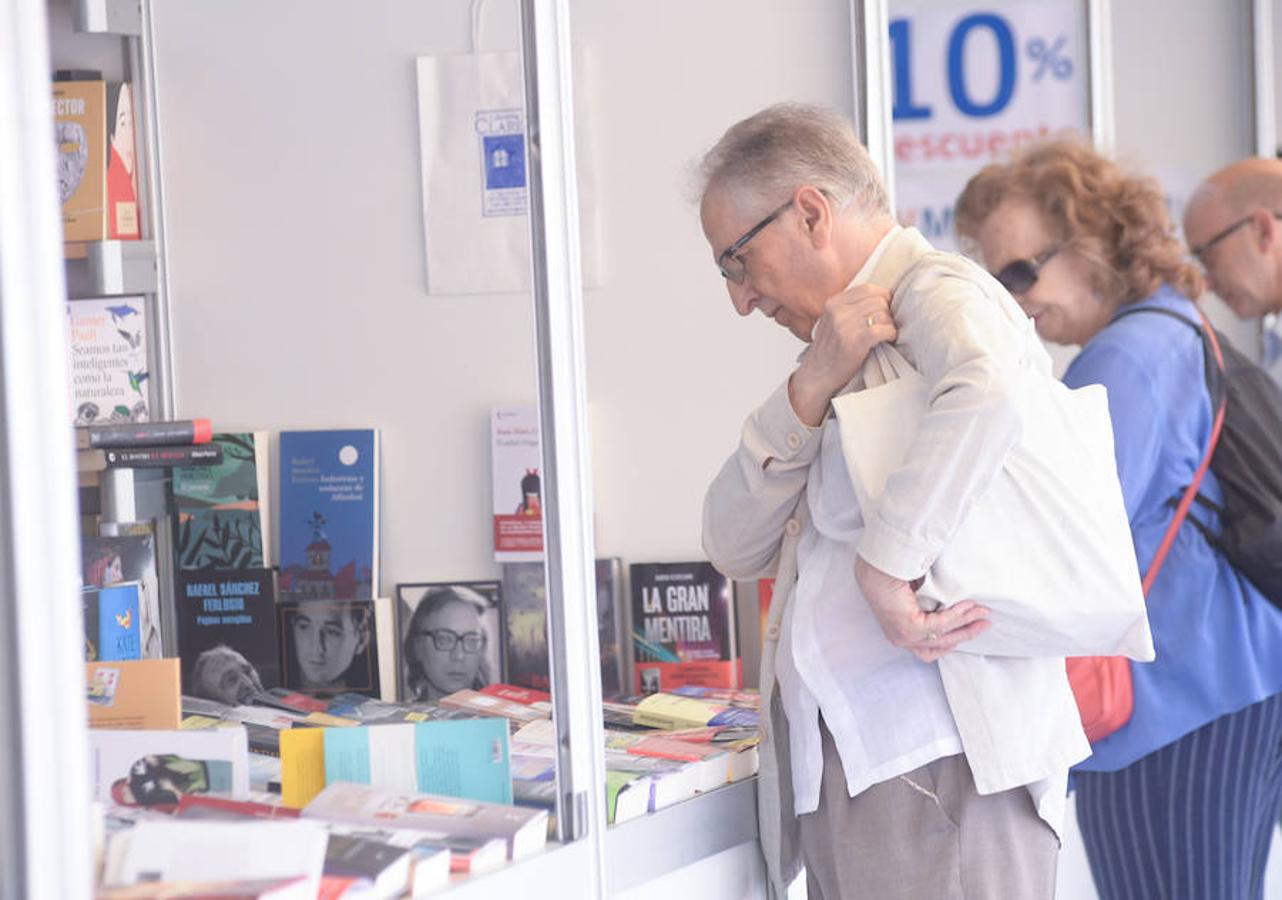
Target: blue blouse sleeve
{"points": [[1135, 410]]}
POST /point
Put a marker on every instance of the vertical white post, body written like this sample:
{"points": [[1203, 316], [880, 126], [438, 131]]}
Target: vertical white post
{"points": [[1262, 35], [870, 57], [563, 419], [45, 831], [1099, 30]]}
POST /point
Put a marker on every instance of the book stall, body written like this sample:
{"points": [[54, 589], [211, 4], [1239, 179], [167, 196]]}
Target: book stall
{"points": [[259, 688]]}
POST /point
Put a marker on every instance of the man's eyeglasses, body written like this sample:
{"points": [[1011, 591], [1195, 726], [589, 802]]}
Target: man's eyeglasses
{"points": [[445, 640], [730, 263], [1200, 250], [1020, 275]]}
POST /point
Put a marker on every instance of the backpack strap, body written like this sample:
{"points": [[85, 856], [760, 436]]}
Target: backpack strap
{"points": [[1207, 334]]}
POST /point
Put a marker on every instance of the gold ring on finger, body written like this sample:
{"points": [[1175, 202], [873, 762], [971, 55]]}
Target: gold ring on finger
{"points": [[931, 637], [871, 321]]}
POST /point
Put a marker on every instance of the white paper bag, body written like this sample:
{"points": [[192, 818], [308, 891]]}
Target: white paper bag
{"points": [[1048, 547], [475, 174]]}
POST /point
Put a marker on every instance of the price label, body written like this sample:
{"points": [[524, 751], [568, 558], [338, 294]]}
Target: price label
{"points": [[970, 85]]}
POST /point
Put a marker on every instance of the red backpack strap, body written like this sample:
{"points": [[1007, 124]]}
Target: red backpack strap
{"points": [[1191, 492]]}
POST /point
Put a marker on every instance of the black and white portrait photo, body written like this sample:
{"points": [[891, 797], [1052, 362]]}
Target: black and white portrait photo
{"points": [[328, 647], [451, 638]]}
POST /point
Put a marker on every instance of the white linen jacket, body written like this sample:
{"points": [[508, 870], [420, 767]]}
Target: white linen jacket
{"points": [[960, 329]]}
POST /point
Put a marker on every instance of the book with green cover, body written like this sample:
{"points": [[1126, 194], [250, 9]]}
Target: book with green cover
{"points": [[221, 508]]}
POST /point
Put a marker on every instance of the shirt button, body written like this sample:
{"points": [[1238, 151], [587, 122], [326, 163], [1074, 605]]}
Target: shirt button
{"points": [[794, 440], [792, 527], [772, 633]]}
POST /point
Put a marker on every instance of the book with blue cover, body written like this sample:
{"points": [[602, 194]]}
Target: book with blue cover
{"points": [[466, 758], [329, 514], [111, 622]]}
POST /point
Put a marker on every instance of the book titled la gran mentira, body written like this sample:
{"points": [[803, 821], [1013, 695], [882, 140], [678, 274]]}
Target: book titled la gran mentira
{"points": [[683, 627], [329, 514]]}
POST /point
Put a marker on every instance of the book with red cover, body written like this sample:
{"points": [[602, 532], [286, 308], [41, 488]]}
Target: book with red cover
{"points": [[203, 806], [683, 627]]}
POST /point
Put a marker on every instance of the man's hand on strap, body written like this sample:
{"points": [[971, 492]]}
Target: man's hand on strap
{"points": [[853, 322], [927, 635]]}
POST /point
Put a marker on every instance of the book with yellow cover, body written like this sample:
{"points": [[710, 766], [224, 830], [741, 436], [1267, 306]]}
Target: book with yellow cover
{"points": [[137, 693]]}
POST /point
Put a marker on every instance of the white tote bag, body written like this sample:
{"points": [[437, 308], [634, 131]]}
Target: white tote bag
{"points": [[1048, 547]]}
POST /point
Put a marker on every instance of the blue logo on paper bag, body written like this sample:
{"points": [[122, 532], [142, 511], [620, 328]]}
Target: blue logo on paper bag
{"points": [[504, 161]]}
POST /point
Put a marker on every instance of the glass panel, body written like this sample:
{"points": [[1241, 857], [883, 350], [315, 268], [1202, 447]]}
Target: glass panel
{"points": [[346, 259]]}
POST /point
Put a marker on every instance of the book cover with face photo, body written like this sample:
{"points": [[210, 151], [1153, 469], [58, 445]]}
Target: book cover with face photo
{"points": [[329, 647], [227, 634], [451, 638]]}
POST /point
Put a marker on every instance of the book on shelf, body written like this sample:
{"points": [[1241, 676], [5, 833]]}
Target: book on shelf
{"points": [[683, 627], [467, 758], [329, 509], [375, 870], [97, 174], [329, 647], [195, 850], [627, 796], [430, 860], [155, 768], [673, 711], [221, 889], [712, 764], [221, 511], [143, 434], [523, 829], [227, 633], [480, 704], [115, 559], [101, 459], [525, 614], [451, 637], [134, 694], [107, 360], [515, 464], [203, 806], [662, 781], [539, 700], [111, 616]]}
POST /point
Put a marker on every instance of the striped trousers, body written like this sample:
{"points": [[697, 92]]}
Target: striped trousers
{"points": [[1191, 820]]}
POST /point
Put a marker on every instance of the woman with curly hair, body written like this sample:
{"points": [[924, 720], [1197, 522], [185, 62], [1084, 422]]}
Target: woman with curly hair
{"points": [[1181, 800]]}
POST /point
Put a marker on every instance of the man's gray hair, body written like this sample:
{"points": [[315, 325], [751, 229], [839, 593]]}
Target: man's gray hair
{"points": [[769, 155]]}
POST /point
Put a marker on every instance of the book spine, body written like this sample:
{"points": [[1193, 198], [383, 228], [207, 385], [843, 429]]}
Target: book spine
{"points": [[145, 434], [156, 457]]}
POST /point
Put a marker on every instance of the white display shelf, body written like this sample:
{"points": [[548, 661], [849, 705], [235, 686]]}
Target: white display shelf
{"points": [[635, 852]]}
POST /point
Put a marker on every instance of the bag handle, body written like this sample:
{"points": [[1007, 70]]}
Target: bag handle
{"points": [[1186, 501]]}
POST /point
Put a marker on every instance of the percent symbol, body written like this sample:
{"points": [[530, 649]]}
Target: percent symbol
{"points": [[1049, 56]]}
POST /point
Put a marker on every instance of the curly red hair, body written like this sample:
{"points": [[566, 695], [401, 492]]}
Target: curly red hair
{"points": [[1114, 221]]}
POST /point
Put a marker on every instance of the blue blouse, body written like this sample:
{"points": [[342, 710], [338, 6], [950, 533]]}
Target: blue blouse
{"points": [[1218, 640]]}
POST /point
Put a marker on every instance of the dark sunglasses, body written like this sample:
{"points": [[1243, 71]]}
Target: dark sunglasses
{"points": [[1020, 275]]}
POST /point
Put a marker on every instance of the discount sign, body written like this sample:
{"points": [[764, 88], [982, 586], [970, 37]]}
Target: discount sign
{"points": [[971, 84]]}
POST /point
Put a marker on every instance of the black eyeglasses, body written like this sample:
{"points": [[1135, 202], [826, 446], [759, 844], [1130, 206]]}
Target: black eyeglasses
{"points": [[731, 265], [1020, 275], [445, 640], [1200, 250]]}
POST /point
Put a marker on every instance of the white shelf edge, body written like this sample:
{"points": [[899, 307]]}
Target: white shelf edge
{"points": [[119, 268], [122, 17]]}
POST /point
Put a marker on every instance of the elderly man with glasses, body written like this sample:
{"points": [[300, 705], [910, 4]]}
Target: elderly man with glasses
{"points": [[1232, 227], [885, 775]]}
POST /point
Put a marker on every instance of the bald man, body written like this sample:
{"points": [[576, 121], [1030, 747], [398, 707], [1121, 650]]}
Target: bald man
{"points": [[1232, 226]]}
